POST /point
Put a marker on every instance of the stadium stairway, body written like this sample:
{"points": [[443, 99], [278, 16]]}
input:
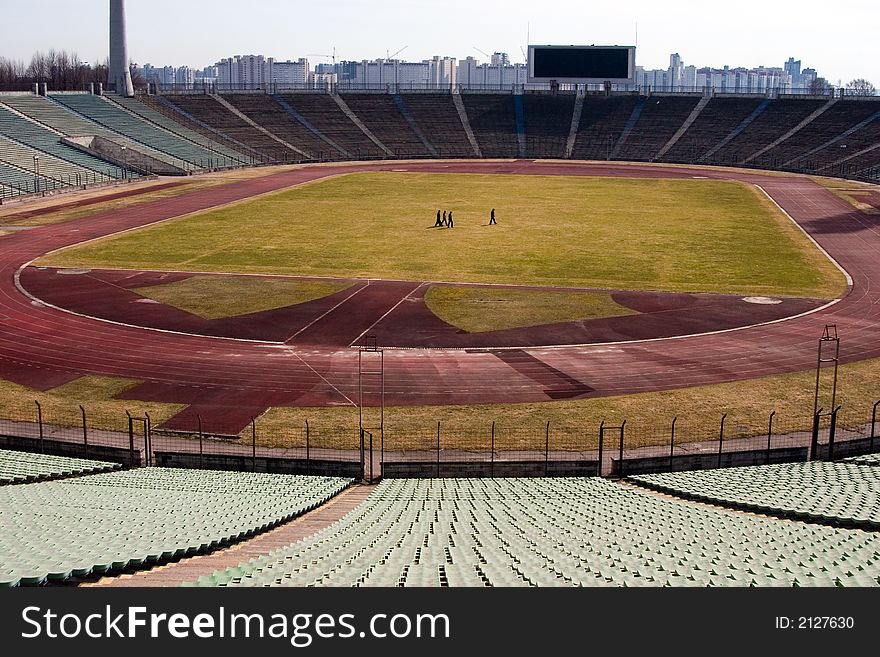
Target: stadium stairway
{"points": [[190, 569]]}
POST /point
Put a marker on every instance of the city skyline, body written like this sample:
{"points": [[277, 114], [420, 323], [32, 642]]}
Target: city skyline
{"points": [[199, 33]]}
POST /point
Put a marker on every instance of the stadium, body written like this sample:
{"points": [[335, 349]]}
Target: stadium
{"points": [[243, 344]]}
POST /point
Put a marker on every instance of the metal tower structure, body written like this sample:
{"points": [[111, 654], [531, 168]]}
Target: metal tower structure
{"points": [[120, 76]]}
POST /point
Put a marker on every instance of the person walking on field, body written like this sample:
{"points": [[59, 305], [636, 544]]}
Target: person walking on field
{"points": [[450, 220], [492, 221], [443, 223], [437, 223]]}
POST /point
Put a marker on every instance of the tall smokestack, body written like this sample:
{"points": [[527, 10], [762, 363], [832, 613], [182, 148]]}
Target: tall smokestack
{"points": [[120, 76]]}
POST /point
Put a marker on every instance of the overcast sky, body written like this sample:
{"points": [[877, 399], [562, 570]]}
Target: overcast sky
{"points": [[839, 39]]}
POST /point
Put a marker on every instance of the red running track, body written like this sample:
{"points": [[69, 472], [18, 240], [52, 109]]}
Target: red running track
{"points": [[233, 380]]}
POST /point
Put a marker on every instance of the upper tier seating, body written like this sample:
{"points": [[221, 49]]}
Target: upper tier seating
{"points": [[383, 118], [325, 115], [779, 117], [493, 121], [719, 118], [602, 122], [64, 120], [837, 119], [438, 120], [659, 120], [208, 110], [270, 114], [224, 156], [112, 116], [548, 124], [40, 138]]}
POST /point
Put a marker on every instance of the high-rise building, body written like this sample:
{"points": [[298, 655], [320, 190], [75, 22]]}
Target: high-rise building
{"points": [[676, 70]]}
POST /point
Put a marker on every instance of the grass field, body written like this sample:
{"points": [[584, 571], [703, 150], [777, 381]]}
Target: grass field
{"points": [[478, 309], [675, 235], [215, 297]]}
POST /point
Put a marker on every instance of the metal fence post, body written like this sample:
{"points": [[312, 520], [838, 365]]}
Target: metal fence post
{"points": [[40, 423], [438, 449], [672, 442], [492, 453], [831, 430], [874, 423], [130, 437], [308, 459], [254, 445], [201, 443], [362, 453], [814, 442], [721, 439], [148, 438], [85, 432], [770, 434], [547, 450], [620, 454], [601, 439], [371, 457]]}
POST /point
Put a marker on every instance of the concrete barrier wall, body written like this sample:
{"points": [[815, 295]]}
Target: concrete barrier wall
{"points": [[422, 469], [74, 450], [654, 464], [849, 448], [321, 467]]}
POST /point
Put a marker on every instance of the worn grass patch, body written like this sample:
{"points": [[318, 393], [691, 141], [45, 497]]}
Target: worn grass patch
{"points": [[60, 406], [574, 424], [673, 235], [216, 297], [479, 309]]}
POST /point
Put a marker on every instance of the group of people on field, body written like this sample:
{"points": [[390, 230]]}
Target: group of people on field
{"points": [[445, 220]]}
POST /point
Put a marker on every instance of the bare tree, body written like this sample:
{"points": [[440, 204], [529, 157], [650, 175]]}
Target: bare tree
{"points": [[860, 87]]}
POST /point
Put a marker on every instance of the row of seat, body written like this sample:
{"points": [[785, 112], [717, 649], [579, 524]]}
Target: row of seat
{"points": [[866, 459], [26, 467], [557, 532], [847, 494], [727, 130], [126, 519]]}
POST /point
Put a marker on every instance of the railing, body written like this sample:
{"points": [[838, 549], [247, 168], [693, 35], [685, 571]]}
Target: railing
{"points": [[441, 450]]}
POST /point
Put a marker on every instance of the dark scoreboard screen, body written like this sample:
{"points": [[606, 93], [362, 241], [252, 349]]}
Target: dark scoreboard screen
{"points": [[581, 63]]}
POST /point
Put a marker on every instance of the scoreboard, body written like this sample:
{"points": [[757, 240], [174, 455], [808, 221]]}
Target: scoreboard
{"points": [[582, 64]]}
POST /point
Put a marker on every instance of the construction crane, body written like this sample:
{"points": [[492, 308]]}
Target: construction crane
{"points": [[333, 56], [484, 52], [388, 57]]}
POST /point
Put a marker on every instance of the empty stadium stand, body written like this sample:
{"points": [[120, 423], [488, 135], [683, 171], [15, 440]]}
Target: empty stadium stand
{"points": [[382, 116], [720, 117], [436, 117], [778, 118], [131, 519], [208, 110], [794, 152], [547, 124], [602, 122], [325, 115], [163, 106], [27, 467], [223, 156], [114, 117], [557, 532], [192, 132], [817, 491], [273, 116], [493, 120], [659, 119], [64, 121], [42, 133]]}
